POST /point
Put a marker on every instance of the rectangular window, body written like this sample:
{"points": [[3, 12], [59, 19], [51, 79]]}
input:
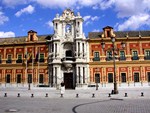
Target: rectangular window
{"points": [[135, 55], [147, 54], [148, 76], [8, 59], [97, 78], [96, 56], [109, 55], [79, 74], [123, 77], [19, 78], [41, 79], [29, 78], [0, 58], [122, 55], [41, 57], [8, 78], [83, 74], [110, 78], [136, 77], [19, 60]]}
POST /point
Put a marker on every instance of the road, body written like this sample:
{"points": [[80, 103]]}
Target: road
{"points": [[76, 105]]}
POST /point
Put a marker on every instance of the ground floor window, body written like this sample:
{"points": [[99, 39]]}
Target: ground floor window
{"points": [[29, 78], [97, 78], [41, 79], [136, 77], [148, 76], [19, 78], [123, 77], [110, 77], [8, 78]]}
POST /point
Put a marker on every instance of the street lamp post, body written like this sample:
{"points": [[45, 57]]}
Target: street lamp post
{"points": [[115, 90]]}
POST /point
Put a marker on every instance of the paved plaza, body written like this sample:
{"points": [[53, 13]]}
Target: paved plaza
{"points": [[36, 100]]}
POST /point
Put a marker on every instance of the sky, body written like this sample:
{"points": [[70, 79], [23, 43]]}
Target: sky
{"points": [[17, 17]]}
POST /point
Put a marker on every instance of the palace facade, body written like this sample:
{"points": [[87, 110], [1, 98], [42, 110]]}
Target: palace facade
{"points": [[23, 60], [132, 62], [68, 56]]}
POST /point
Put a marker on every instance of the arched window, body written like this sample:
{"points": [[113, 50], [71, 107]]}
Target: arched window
{"points": [[68, 53], [68, 28]]}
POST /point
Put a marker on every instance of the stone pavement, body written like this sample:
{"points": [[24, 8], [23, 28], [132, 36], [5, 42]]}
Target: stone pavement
{"points": [[89, 93]]}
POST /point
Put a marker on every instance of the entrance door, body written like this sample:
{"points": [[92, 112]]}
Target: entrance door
{"points": [[68, 80]]}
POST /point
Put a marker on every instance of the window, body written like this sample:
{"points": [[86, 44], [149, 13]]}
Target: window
{"points": [[8, 59], [19, 58], [122, 55], [108, 33], [147, 55], [29, 78], [41, 57], [110, 78], [8, 78], [97, 78], [83, 49], [148, 76], [31, 37], [41, 79], [109, 55], [18, 78], [68, 28], [135, 55], [79, 74], [83, 74], [136, 77], [123, 77], [96, 56], [0, 58]]}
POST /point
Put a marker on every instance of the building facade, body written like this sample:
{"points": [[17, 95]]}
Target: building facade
{"points": [[132, 62], [23, 61], [68, 51]]}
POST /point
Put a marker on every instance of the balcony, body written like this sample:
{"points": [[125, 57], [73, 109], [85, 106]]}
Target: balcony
{"points": [[109, 58], [41, 60], [135, 58], [122, 58], [8, 61], [96, 59], [19, 61], [68, 59], [147, 58]]}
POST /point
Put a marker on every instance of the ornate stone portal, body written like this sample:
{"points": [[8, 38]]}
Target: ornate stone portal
{"points": [[68, 39]]}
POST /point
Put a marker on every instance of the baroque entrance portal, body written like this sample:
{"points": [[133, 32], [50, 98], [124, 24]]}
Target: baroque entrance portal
{"points": [[68, 80]]}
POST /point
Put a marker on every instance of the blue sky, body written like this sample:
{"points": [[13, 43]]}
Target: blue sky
{"points": [[17, 17]]}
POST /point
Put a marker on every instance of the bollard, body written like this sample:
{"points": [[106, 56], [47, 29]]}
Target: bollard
{"points": [[93, 95], [32, 95], [77, 95], [46, 95], [125, 95], [61, 95], [5, 95], [18, 95], [142, 94], [109, 95]]}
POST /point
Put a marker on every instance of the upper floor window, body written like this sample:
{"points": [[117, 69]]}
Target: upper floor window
{"points": [[147, 55], [108, 33], [135, 55], [96, 56], [41, 57], [19, 60], [109, 55], [0, 58], [31, 37], [122, 55], [8, 59]]}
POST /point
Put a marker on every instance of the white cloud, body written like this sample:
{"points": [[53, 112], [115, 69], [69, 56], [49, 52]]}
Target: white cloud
{"points": [[6, 34], [134, 22], [89, 19], [106, 4], [27, 10], [3, 18], [96, 30], [50, 24], [12, 3]]}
